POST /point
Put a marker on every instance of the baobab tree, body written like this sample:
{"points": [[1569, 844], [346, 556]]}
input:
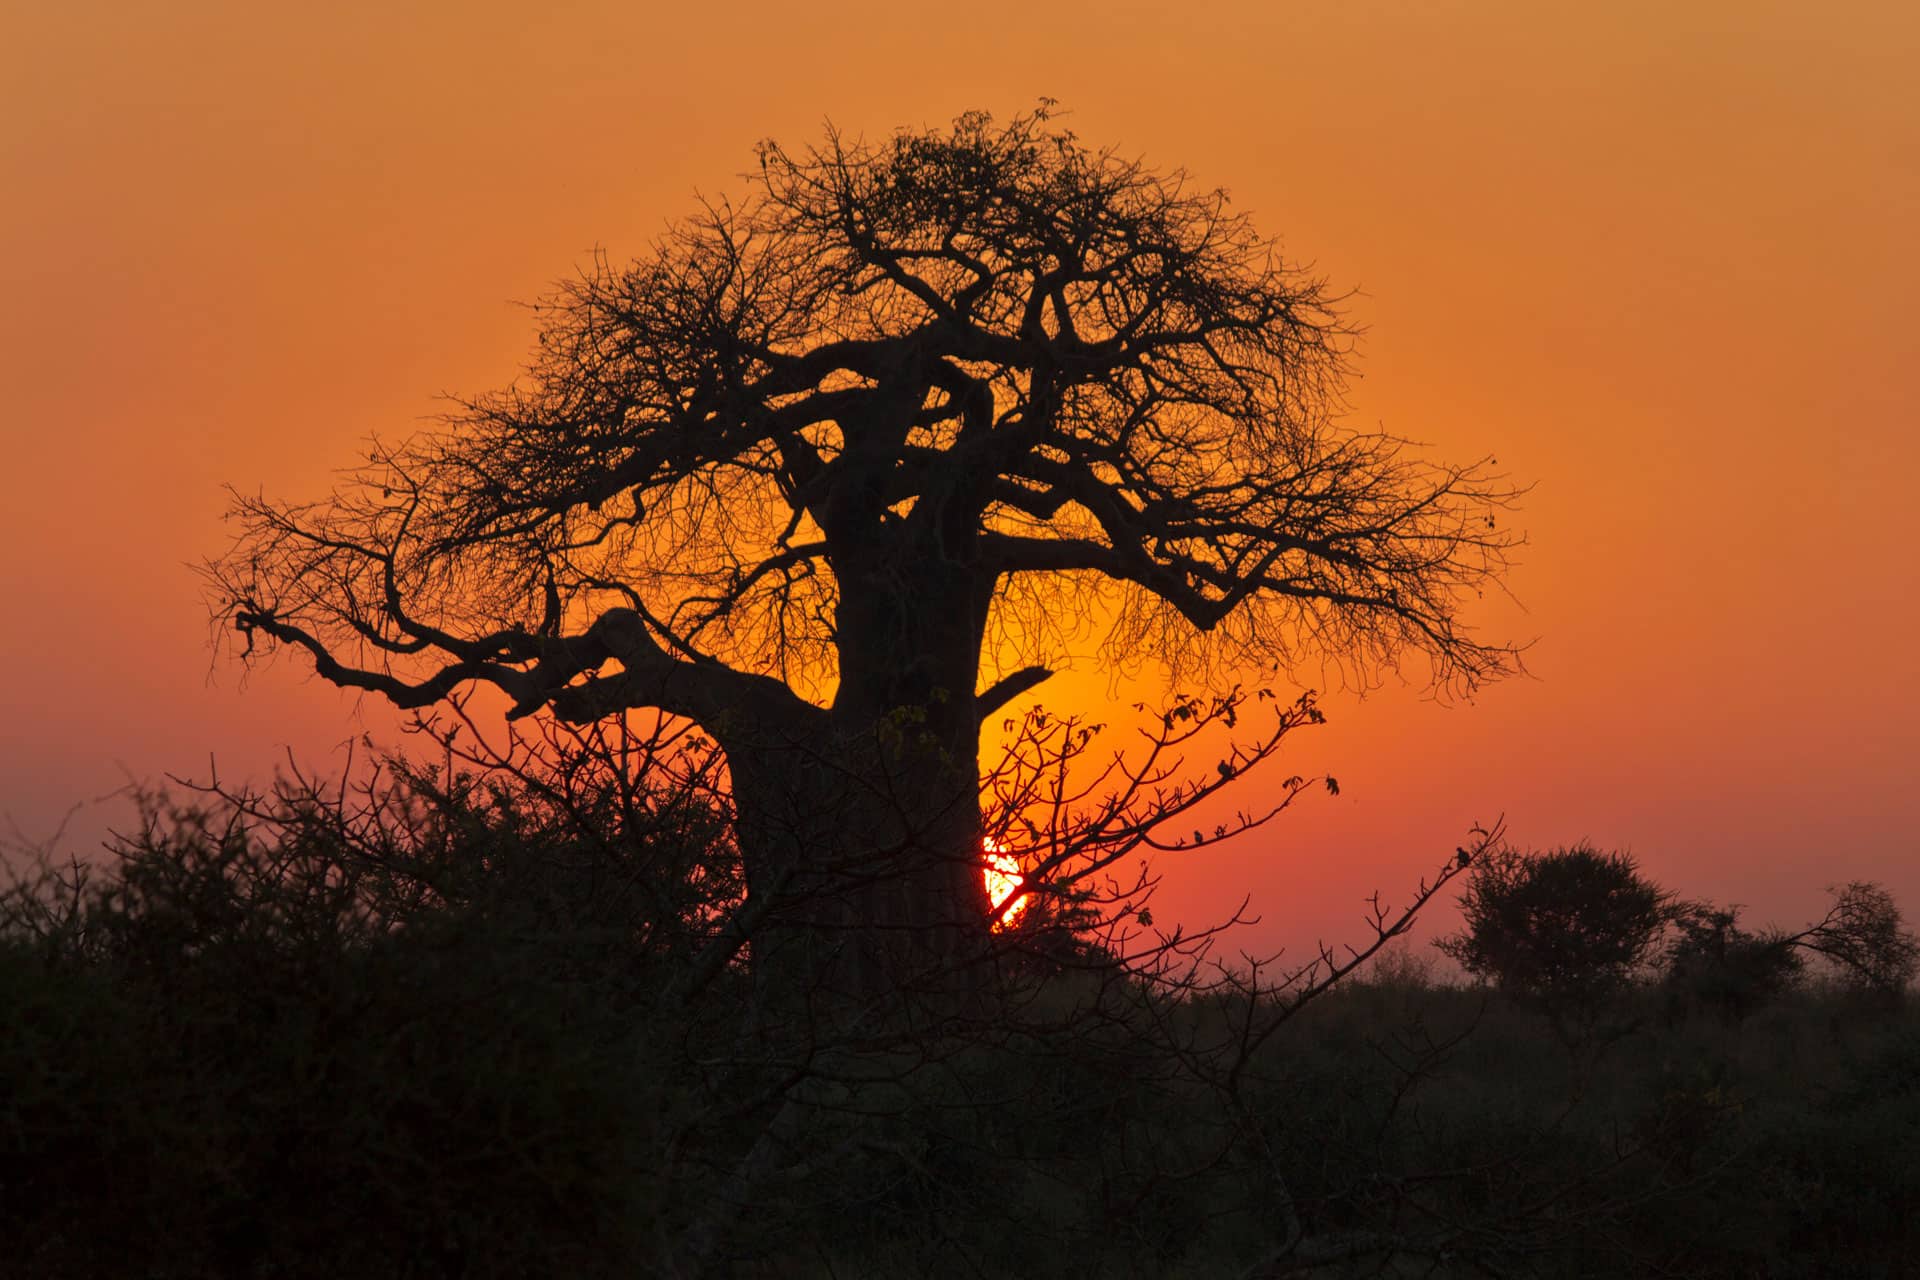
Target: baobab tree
{"points": [[844, 465]]}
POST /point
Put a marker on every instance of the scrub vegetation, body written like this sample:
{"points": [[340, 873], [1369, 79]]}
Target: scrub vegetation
{"points": [[440, 1025]]}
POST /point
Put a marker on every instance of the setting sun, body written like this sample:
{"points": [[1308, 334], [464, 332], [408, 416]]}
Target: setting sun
{"points": [[1003, 879]]}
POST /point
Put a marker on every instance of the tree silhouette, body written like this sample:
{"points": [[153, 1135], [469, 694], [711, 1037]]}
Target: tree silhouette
{"points": [[1712, 962], [907, 415], [1564, 927], [1865, 937]]}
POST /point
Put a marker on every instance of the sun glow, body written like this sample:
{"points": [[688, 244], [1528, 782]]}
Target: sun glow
{"points": [[1003, 881]]}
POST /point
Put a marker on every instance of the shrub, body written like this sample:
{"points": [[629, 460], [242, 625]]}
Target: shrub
{"points": [[1714, 964], [1864, 936], [1564, 927], [263, 1040]]}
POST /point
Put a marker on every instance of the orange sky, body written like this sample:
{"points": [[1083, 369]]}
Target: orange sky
{"points": [[1659, 259]]}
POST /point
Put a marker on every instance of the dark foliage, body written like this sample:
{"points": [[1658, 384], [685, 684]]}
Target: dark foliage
{"points": [[1865, 938], [439, 1036], [1862, 942], [1566, 927], [221, 1058], [1712, 963]]}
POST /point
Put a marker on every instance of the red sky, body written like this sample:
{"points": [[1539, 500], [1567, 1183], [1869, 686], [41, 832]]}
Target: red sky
{"points": [[1658, 259]]}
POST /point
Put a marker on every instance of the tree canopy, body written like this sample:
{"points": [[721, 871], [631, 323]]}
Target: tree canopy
{"points": [[989, 343]]}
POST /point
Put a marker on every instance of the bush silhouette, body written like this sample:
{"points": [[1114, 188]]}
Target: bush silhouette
{"points": [[1564, 928], [1714, 964], [1864, 936], [301, 1047], [266, 1039]]}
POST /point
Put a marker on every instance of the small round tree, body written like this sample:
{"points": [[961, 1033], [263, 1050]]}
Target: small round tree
{"points": [[1564, 927]]}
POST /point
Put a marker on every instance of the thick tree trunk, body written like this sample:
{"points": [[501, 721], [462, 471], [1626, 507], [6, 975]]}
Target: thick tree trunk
{"points": [[863, 822]]}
